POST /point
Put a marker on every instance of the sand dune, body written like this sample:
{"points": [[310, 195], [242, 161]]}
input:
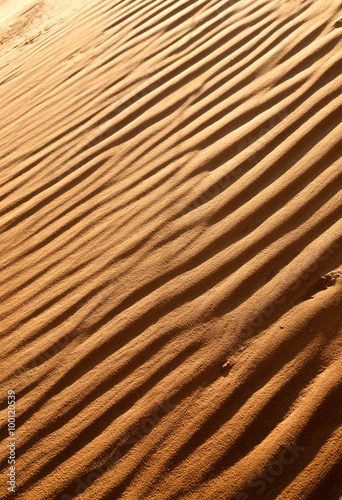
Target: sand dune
{"points": [[171, 248]]}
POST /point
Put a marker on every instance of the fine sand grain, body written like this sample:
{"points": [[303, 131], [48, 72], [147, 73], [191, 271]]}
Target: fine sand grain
{"points": [[171, 248]]}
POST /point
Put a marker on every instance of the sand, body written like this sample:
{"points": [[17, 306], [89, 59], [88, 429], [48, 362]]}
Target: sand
{"points": [[171, 248]]}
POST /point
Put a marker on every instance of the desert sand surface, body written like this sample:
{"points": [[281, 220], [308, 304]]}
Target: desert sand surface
{"points": [[171, 249]]}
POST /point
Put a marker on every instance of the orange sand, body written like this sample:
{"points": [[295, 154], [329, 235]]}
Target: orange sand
{"points": [[171, 250]]}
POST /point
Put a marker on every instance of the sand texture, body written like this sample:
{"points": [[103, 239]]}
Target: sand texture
{"points": [[171, 248]]}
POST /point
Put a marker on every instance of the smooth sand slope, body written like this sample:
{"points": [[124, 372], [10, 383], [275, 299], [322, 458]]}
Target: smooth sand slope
{"points": [[171, 248]]}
